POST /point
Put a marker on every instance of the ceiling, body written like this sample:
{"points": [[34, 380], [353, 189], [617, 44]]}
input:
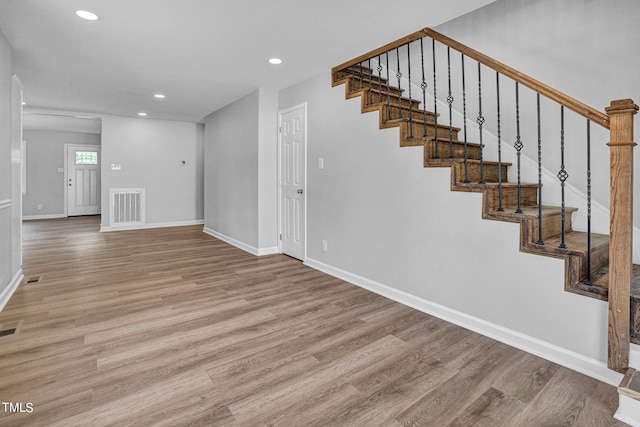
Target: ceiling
{"points": [[202, 54]]}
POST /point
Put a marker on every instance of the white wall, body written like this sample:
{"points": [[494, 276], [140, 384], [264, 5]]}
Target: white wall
{"points": [[150, 153], [241, 172], [10, 203], [45, 155], [395, 227]]}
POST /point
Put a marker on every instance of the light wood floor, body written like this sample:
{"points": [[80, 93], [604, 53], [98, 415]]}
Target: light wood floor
{"points": [[171, 327]]}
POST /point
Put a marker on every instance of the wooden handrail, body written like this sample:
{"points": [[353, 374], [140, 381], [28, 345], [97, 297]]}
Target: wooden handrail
{"points": [[544, 90]]}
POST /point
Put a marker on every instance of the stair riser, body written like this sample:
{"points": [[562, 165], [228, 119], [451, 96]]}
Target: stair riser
{"points": [[418, 132], [490, 172], [528, 197], [551, 226], [366, 77], [599, 257], [387, 91], [393, 112], [444, 150]]}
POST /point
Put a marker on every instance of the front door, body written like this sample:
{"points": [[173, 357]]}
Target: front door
{"points": [[292, 182], [83, 180]]}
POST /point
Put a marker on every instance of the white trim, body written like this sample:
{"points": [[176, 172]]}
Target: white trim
{"points": [[240, 245], [282, 112], [634, 356], [107, 228], [628, 410], [8, 292], [567, 358], [4, 204], [45, 216]]}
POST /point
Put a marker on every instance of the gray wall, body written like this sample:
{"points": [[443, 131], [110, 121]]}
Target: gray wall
{"points": [[150, 153], [10, 203], [241, 171], [45, 155]]}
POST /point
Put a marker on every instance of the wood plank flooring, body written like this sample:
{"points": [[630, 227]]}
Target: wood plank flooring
{"points": [[172, 327]]}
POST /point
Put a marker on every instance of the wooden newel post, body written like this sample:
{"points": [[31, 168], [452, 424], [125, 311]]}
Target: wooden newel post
{"points": [[621, 232]]}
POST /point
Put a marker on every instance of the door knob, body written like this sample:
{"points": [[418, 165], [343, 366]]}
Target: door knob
{"points": [[300, 191]]}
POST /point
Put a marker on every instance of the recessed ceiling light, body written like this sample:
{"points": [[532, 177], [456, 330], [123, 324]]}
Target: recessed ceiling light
{"points": [[24, 103], [275, 61], [85, 14], [160, 96], [142, 114]]}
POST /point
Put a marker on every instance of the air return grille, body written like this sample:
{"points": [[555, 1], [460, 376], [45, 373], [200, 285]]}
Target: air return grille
{"points": [[126, 206]]}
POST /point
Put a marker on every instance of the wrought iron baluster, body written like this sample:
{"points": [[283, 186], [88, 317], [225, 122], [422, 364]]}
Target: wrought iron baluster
{"points": [[423, 86], [399, 76], [540, 240], [435, 96], [410, 99], [464, 121], [500, 209], [370, 78], [361, 73], [450, 102], [588, 281], [480, 121], [379, 68], [562, 175], [388, 87], [518, 146]]}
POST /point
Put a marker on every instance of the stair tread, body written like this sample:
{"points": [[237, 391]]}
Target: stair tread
{"points": [[420, 120], [576, 242], [630, 384], [458, 160], [532, 211], [495, 185], [600, 278], [443, 139]]}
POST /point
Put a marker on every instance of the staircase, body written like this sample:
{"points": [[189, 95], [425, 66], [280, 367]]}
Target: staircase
{"points": [[465, 177], [544, 230]]}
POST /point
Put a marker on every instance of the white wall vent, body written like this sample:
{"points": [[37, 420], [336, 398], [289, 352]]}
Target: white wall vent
{"points": [[126, 206]]}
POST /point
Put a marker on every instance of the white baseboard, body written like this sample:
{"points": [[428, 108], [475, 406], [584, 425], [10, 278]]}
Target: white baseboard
{"points": [[628, 410], [48, 216], [106, 228], [567, 358], [8, 292], [240, 245]]}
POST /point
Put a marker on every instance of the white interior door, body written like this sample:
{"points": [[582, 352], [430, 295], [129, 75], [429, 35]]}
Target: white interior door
{"points": [[292, 182], [83, 180]]}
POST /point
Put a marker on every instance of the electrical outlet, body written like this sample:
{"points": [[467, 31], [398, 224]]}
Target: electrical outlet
{"points": [[324, 246]]}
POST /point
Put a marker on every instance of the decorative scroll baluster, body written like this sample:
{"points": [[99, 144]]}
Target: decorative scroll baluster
{"points": [[423, 86], [540, 240], [435, 96], [500, 209], [379, 68], [410, 99], [518, 146], [562, 175], [370, 78], [388, 87], [480, 121], [588, 281], [361, 73], [450, 102], [399, 76], [464, 121]]}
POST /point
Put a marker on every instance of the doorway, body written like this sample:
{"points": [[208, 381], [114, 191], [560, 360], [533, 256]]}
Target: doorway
{"points": [[82, 180], [292, 174]]}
